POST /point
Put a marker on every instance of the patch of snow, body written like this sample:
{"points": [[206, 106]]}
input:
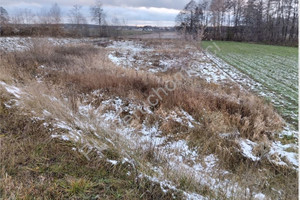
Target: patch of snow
{"points": [[12, 89], [206, 70], [63, 125], [46, 113], [288, 131], [181, 117], [11, 44], [167, 185], [279, 150], [152, 135], [278, 153], [63, 137], [247, 147], [193, 196], [179, 156], [117, 61], [114, 162], [259, 196], [85, 109]]}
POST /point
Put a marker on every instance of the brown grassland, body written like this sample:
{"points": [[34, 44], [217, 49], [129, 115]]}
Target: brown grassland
{"points": [[34, 166]]}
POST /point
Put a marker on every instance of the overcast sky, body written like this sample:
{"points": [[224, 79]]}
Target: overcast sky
{"points": [[133, 12]]}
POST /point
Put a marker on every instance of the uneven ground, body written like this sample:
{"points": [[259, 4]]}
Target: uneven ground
{"points": [[136, 119]]}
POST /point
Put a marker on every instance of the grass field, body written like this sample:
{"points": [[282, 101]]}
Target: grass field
{"points": [[274, 67]]}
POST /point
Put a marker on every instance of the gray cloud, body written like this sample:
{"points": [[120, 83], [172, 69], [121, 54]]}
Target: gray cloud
{"points": [[142, 15], [134, 12], [174, 4]]}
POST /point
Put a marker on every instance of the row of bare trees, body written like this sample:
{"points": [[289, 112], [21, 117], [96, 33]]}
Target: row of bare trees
{"points": [[52, 17], [26, 16], [270, 21]]}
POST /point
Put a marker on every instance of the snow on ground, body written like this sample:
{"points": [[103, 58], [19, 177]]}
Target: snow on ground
{"points": [[288, 131], [169, 185], [283, 156], [203, 64], [133, 54], [279, 154], [180, 157], [11, 89], [107, 116], [11, 44], [125, 53], [14, 43], [247, 147]]}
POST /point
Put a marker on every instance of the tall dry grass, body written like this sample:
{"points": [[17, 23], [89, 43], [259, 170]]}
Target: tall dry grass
{"points": [[84, 68], [75, 70]]}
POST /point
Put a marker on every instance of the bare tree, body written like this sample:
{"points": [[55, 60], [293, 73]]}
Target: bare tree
{"points": [[115, 21], [217, 8], [43, 16], [268, 21], [50, 20], [117, 27], [23, 16], [294, 22], [250, 18], [76, 18], [75, 15], [4, 18], [192, 20], [55, 14], [97, 14]]}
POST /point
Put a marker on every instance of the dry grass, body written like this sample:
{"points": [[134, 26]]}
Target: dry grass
{"points": [[249, 114], [76, 70], [82, 69], [113, 82], [34, 165]]}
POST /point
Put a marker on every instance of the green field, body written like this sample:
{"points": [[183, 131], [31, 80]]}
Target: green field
{"points": [[274, 67]]}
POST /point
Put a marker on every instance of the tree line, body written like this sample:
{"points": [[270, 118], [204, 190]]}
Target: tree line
{"points": [[50, 21], [268, 21]]}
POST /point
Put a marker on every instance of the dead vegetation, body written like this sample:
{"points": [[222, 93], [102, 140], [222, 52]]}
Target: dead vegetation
{"points": [[76, 70], [35, 165], [81, 70]]}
